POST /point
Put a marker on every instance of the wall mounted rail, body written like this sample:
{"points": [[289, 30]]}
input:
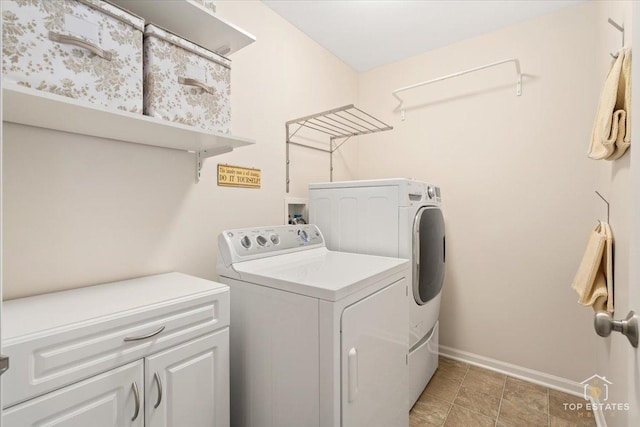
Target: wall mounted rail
{"points": [[460, 73], [340, 124]]}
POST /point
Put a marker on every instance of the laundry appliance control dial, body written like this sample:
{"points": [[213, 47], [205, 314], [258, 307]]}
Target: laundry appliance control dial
{"points": [[261, 240], [245, 242], [275, 239], [431, 192], [304, 236]]}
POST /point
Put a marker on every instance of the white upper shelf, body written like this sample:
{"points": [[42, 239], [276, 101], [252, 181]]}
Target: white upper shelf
{"points": [[191, 21], [45, 110]]}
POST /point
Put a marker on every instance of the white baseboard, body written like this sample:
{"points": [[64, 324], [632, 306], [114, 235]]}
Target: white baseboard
{"points": [[530, 375], [598, 414], [526, 374]]}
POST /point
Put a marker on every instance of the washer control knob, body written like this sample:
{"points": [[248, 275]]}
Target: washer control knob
{"points": [[261, 240], [275, 239], [431, 192], [304, 237], [245, 242]]}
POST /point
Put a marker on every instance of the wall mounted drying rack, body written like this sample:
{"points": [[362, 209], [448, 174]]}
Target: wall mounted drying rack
{"points": [[340, 124], [460, 73]]}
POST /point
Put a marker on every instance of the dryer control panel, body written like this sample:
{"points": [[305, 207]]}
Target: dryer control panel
{"points": [[420, 193], [251, 243]]}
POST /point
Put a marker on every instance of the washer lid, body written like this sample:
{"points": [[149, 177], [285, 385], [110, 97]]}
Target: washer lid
{"points": [[319, 273]]}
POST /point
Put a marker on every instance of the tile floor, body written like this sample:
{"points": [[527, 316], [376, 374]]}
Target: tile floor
{"points": [[461, 395]]}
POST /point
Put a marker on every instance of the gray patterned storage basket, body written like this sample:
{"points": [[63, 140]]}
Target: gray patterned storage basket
{"points": [[185, 83], [84, 49]]}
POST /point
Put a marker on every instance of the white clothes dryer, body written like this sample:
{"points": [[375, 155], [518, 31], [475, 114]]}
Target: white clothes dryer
{"points": [[318, 337], [398, 218]]}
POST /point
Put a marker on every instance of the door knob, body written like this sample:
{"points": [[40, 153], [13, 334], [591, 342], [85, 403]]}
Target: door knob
{"points": [[604, 324]]}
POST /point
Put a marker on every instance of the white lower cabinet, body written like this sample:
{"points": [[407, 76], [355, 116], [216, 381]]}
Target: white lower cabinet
{"points": [[106, 400], [188, 385], [148, 352]]}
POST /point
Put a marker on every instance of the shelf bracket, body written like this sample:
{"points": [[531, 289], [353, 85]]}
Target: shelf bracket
{"points": [[201, 155]]}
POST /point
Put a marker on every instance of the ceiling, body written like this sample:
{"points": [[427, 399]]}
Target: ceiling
{"points": [[369, 33]]}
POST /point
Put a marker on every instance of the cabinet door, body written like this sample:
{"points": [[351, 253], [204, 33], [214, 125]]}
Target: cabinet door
{"points": [[112, 399], [375, 344], [188, 385]]}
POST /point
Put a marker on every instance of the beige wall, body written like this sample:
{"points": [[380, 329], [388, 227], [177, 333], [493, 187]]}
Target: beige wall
{"points": [[518, 189], [82, 210], [516, 182]]}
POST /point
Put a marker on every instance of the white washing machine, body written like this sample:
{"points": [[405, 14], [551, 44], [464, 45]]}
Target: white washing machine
{"points": [[318, 337], [397, 218]]}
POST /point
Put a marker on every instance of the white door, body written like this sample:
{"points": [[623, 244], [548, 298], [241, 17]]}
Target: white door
{"points": [[1, 226], [617, 358], [188, 385], [112, 399], [374, 350], [633, 355]]}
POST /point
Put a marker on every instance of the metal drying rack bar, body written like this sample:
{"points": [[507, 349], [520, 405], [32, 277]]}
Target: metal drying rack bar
{"points": [[461, 73], [340, 123]]}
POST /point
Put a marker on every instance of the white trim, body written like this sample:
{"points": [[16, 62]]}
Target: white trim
{"points": [[598, 415], [541, 378], [530, 375]]}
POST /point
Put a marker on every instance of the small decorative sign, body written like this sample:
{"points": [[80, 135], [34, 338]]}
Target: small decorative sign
{"points": [[237, 176]]}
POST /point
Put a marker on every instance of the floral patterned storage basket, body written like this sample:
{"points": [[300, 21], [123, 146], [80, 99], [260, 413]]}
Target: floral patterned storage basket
{"points": [[185, 83], [209, 4], [84, 49]]}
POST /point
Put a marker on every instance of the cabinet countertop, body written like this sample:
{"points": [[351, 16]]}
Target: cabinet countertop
{"points": [[25, 316]]}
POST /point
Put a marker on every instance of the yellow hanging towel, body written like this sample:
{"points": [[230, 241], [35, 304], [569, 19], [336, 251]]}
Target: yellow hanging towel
{"points": [[611, 134], [594, 279]]}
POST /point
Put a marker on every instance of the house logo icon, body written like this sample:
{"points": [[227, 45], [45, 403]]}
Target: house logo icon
{"points": [[596, 388]]}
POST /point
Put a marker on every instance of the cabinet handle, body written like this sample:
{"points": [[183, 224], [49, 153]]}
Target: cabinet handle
{"points": [[353, 374], [76, 41], [197, 83], [156, 377], [136, 395], [144, 337]]}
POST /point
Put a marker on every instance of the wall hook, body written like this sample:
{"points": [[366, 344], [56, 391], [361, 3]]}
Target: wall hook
{"points": [[606, 201], [620, 28]]}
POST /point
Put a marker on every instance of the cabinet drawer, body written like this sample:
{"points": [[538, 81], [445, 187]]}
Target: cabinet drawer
{"points": [[54, 358]]}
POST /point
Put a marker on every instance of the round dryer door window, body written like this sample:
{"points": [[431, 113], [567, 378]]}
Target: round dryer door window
{"points": [[429, 254]]}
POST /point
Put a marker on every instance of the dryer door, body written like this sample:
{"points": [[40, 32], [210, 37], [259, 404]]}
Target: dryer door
{"points": [[374, 347], [428, 254]]}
